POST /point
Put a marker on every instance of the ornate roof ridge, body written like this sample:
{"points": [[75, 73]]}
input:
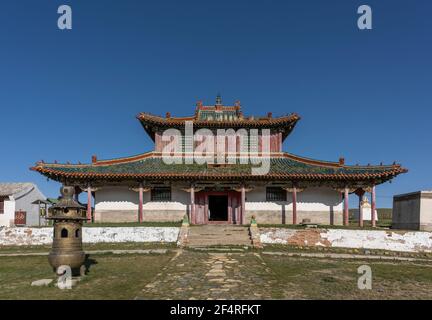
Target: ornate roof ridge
{"points": [[145, 116], [127, 159]]}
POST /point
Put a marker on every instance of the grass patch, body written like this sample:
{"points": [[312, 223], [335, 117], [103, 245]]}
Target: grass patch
{"points": [[24, 249], [109, 277], [279, 277], [92, 246], [337, 279], [359, 251]]}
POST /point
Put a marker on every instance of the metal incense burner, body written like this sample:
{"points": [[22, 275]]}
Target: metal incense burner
{"points": [[68, 216]]}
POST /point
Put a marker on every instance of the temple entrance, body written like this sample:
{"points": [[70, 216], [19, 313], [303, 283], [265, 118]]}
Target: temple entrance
{"points": [[217, 208]]}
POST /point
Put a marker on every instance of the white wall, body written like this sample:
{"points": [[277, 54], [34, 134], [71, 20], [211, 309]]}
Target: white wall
{"points": [[24, 202], [340, 238], [179, 201], [43, 236], [7, 218], [116, 198], [310, 199], [119, 204], [121, 198], [413, 211], [426, 211]]}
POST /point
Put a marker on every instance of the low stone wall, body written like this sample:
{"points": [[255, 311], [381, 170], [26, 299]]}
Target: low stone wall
{"points": [[412, 241], [43, 236]]}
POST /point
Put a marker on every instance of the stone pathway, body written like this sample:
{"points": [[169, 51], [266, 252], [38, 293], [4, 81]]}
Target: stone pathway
{"points": [[221, 275]]}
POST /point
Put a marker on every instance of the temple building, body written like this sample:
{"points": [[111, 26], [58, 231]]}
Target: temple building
{"points": [[147, 187]]}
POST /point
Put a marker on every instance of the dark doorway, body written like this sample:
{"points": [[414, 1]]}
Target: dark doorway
{"points": [[218, 208]]}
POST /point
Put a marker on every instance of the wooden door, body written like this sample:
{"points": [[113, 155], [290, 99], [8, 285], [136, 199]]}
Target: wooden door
{"points": [[20, 218], [200, 211]]}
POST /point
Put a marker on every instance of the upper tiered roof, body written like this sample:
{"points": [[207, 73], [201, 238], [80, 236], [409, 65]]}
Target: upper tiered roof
{"points": [[219, 116], [283, 166]]}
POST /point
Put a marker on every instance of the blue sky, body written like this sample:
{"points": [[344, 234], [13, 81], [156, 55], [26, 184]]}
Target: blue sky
{"points": [[364, 95]]}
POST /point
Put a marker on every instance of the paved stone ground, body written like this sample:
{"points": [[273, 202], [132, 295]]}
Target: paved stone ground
{"points": [[213, 275]]}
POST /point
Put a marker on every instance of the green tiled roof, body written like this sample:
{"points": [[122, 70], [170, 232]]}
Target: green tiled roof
{"points": [[154, 166]]}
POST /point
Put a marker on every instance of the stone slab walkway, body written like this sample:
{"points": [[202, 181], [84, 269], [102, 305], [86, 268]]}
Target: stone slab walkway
{"points": [[213, 275]]}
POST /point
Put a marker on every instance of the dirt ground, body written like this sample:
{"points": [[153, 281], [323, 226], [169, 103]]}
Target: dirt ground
{"points": [[226, 274]]}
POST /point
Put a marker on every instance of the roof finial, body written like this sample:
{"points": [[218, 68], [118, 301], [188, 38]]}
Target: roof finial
{"points": [[218, 99]]}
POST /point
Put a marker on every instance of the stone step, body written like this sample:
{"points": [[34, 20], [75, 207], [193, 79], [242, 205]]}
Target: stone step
{"points": [[218, 235], [217, 244], [243, 239], [208, 242], [222, 248], [203, 234]]}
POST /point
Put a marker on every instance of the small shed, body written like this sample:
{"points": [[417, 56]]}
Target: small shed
{"points": [[413, 211], [20, 204]]}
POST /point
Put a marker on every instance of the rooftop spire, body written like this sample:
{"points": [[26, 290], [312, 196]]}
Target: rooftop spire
{"points": [[218, 100]]}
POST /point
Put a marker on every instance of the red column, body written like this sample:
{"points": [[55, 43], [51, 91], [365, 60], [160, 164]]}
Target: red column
{"points": [[294, 205], [346, 207], [140, 206], [89, 204], [360, 195], [192, 200], [373, 206], [243, 203]]}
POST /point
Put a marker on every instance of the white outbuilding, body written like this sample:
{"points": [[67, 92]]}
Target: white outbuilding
{"points": [[413, 211], [19, 204]]}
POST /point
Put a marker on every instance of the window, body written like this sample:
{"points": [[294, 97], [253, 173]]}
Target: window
{"points": [[276, 194], [1, 205], [64, 233], [161, 194]]}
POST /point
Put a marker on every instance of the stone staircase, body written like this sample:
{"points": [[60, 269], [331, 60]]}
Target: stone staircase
{"points": [[218, 235]]}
